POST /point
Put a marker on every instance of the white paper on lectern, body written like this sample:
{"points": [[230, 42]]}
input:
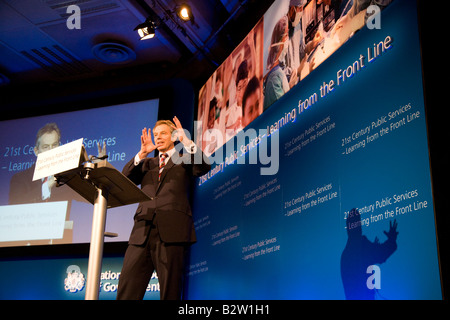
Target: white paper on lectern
{"points": [[60, 159]]}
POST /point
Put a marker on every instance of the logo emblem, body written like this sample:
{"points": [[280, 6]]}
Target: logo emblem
{"points": [[75, 280]]}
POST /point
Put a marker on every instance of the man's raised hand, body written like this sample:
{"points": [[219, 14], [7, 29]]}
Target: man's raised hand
{"points": [[147, 144]]}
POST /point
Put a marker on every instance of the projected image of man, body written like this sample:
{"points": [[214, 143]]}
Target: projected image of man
{"points": [[22, 188]]}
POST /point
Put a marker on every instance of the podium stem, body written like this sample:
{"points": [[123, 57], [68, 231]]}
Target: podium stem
{"points": [[96, 247]]}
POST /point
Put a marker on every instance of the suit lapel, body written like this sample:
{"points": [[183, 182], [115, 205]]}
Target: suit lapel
{"points": [[154, 170]]}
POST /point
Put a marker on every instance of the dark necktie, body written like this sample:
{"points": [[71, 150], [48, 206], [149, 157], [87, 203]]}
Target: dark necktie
{"points": [[162, 163]]}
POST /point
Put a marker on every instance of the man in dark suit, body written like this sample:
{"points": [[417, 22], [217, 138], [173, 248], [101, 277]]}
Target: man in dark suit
{"points": [[163, 227]]}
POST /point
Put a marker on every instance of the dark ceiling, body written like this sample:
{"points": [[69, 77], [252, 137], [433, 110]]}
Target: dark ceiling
{"points": [[42, 57]]}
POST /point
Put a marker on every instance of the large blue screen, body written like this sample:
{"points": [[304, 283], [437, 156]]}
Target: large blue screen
{"points": [[26, 215], [337, 203]]}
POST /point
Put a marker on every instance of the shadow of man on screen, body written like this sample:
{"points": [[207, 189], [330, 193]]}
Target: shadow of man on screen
{"points": [[360, 254]]}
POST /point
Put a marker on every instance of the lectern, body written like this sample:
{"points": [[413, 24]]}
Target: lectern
{"points": [[105, 187]]}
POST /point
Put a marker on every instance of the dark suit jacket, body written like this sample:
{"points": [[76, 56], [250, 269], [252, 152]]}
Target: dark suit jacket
{"points": [[169, 207]]}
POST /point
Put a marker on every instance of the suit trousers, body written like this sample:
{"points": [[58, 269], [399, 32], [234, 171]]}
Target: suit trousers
{"points": [[140, 262]]}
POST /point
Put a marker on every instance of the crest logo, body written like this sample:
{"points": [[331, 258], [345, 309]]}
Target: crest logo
{"points": [[75, 280]]}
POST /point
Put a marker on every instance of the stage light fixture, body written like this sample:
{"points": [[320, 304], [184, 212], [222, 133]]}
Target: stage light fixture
{"points": [[184, 12], [146, 30]]}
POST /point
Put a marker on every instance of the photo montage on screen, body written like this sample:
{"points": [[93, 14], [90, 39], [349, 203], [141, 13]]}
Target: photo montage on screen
{"points": [[291, 40]]}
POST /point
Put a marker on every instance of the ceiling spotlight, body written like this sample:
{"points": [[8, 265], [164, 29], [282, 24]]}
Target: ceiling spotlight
{"points": [[184, 12], [146, 30]]}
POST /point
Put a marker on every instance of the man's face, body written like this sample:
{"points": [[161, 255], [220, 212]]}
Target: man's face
{"points": [[211, 117], [47, 142], [163, 138], [242, 84], [251, 110]]}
